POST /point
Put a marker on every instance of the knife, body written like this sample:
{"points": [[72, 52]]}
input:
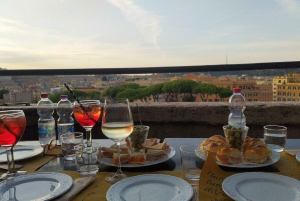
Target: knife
{"points": [[78, 184]]}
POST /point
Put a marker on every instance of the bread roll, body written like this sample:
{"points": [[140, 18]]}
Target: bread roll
{"points": [[257, 154], [218, 138], [228, 155]]}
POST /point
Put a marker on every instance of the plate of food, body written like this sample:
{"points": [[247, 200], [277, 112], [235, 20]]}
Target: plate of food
{"points": [[255, 153], [261, 186], [21, 152], [150, 187], [155, 153]]}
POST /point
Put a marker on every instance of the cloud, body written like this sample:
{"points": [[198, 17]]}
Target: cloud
{"points": [[148, 25], [291, 6]]}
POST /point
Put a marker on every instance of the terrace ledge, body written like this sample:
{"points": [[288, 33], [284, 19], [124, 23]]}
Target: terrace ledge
{"points": [[191, 119]]}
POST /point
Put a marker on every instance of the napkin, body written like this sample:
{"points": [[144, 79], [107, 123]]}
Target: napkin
{"points": [[210, 183]]}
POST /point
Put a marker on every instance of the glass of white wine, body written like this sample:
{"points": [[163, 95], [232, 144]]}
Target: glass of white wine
{"points": [[117, 125]]}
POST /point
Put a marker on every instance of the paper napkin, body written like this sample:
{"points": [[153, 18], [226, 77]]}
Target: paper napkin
{"points": [[210, 183]]}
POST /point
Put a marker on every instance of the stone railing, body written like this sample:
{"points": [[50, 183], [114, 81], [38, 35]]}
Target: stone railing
{"points": [[185, 119]]}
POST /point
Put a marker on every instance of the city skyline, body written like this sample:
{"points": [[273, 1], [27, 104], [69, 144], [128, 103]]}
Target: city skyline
{"points": [[69, 34]]}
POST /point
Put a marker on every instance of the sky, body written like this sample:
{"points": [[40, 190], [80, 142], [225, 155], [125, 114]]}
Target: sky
{"points": [[70, 34]]}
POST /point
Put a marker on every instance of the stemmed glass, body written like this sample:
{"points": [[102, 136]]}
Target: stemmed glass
{"points": [[12, 126], [117, 124], [87, 113]]}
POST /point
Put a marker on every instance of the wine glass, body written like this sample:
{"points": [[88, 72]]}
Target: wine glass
{"points": [[117, 124], [12, 126], [87, 113]]}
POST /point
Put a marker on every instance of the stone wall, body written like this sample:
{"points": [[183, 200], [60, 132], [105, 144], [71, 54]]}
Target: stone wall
{"points": [[192, 119]]}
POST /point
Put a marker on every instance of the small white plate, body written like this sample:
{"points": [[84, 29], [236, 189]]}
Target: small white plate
{"points": [[274, 158], [21, 152], [36, 187], [170, 153], [261, 186], [150, 187]]}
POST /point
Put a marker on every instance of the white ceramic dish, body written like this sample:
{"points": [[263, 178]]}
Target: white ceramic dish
{"points": [[170, 153], [36, 187], [274, 158], [261, 186], [150, 187], [22, 152]]}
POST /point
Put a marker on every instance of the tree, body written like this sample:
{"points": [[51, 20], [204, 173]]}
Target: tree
{"points": [[205, 90], [181, 86], [128, 93], [81, 95], [156, 90], [224, 92], [143, 93], [112, 92]]}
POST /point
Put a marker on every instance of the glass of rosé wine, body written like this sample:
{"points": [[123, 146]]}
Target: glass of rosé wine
{"points": [[87, 113], [12, 126], [117, 125]]}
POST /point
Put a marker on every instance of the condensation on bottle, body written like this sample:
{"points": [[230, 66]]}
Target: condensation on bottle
{"points": [[65, 122], [46, 122], [237, 106]]}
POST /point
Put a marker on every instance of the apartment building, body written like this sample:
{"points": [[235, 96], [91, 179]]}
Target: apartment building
{"points": [[286, 88]]}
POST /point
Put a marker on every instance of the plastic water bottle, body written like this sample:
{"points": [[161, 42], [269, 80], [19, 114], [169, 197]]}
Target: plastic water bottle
{"points": [[237, 105], [65, 122], [46, 123]]}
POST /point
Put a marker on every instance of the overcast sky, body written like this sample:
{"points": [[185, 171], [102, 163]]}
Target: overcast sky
{"points": [[45, 34]]}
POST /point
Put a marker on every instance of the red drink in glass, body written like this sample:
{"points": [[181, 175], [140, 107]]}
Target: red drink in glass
{"points": [[89, 117], [11, 129], [87, 113]]}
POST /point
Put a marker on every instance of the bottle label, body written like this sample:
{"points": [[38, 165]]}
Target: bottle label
{"points": [[46, 131], [65, 129]]}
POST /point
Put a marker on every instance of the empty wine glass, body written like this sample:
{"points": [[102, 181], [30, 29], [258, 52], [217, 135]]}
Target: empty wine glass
{"points": [[117, 124], [12, 126], [87, 113]]}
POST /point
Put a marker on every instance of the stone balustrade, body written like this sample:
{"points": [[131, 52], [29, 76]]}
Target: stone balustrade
{"points": [[190, 119]]}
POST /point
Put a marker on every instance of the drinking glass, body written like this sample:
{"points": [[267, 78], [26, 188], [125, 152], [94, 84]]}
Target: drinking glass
{"points": [[191, 164], [68, 143], [117, 124], [12, 126], [87, 113], [275, 137]]}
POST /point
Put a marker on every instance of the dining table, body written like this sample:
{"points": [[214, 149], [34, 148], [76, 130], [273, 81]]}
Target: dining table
{"points": [[98, 189]]}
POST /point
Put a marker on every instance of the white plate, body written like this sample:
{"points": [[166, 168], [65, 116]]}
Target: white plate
{"points": [[170, 153], [21, 152], [274, 158], [36, 187], [261, 186], [150, 187]]}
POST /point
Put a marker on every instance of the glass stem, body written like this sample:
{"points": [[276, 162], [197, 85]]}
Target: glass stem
{"points": [[119, 171], [10, 160], [89, 137]]}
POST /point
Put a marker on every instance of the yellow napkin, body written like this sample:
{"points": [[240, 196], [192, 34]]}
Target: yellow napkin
{"points": [[210, 183]]}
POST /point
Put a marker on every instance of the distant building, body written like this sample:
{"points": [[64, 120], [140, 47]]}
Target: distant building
{"points": [[18, 97], [286, 88]]}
